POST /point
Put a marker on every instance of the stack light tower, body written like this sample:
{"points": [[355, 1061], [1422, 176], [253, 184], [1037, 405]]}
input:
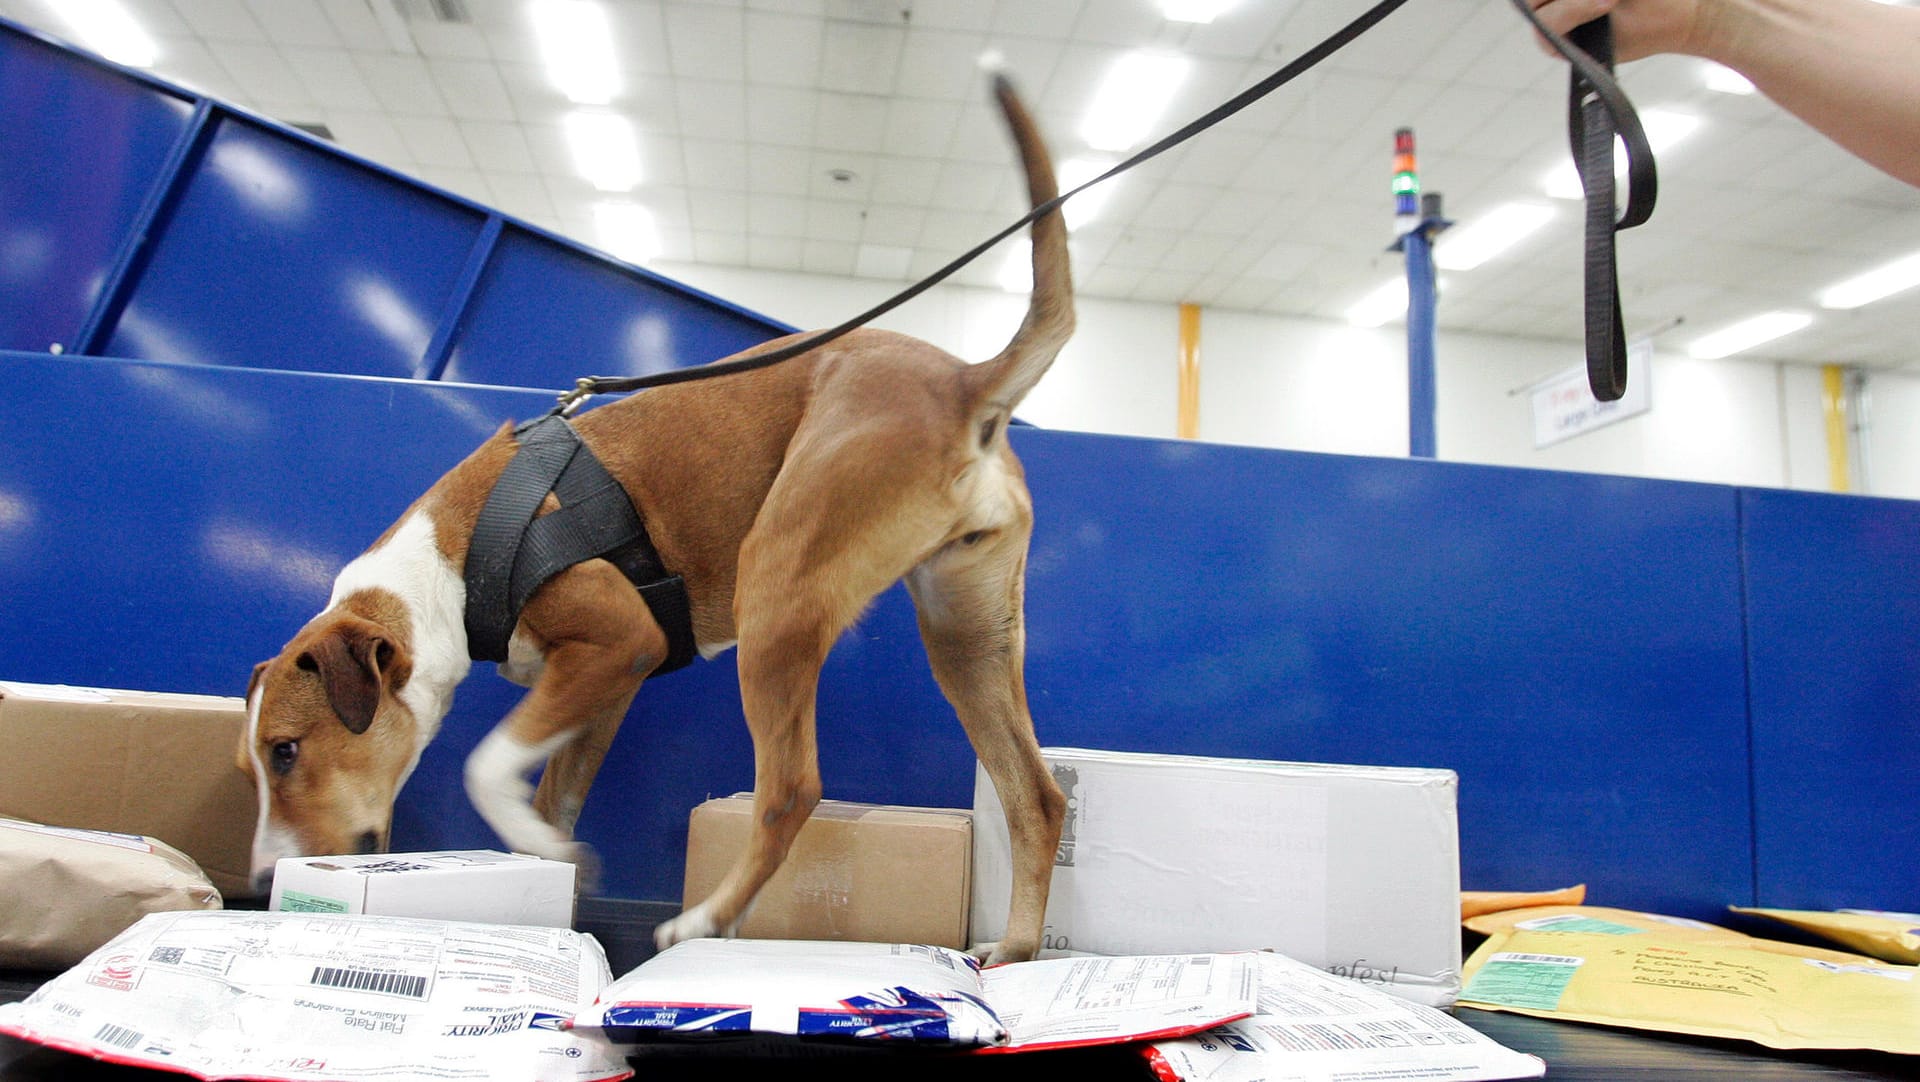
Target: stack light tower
{"points": [[1416, 221]]}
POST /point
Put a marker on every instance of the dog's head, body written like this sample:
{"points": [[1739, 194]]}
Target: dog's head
{"points": [[329, 740]]}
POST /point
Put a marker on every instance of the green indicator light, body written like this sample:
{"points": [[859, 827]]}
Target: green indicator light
{"points": [[1405, 183]]}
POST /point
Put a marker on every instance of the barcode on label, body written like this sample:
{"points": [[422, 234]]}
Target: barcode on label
{"points": [[118, 1036], [1548, 959], [371, 980]]}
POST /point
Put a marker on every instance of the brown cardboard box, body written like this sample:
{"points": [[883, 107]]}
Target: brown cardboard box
{"points": [[133, 762], [857, 872]]}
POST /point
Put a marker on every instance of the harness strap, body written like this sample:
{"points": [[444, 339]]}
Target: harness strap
{"points": [[512, 553]]}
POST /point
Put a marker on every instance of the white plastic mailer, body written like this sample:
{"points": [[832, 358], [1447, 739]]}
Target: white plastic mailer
{"points": [[298, 997]]}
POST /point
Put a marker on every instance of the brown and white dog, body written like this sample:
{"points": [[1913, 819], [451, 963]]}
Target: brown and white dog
{"points": [[788, 498]]}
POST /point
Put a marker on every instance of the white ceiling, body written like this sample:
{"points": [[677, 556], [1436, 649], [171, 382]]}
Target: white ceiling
{"points": [[746, 108]]}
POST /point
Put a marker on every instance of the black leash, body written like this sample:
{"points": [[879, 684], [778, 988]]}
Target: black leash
{"points": [[1600, 108], [1597, 110]]}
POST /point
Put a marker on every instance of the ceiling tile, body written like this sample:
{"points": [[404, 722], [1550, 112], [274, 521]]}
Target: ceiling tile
{"points": [[472, 89], [783, 50], [433, 141], [222, 20], [497, 147], [706, 42], [860, 59], [402, 84]]}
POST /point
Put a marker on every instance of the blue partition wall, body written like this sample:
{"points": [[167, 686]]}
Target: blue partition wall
{"points": [[1576, 647], [1833, 601], [161, 225]]}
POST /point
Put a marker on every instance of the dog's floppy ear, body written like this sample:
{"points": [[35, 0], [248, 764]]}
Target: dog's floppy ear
{"points": [[351, 662], [253, 681]]}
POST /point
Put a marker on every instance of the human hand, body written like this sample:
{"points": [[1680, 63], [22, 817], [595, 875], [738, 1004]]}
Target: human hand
{"points": [[1640, 27]]}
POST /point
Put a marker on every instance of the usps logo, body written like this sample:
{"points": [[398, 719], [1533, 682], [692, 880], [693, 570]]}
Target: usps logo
{"points": [[117, 973]]}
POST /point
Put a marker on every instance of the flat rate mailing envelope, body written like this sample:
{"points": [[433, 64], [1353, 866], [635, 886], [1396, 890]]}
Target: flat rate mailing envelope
{"points": [[297, 996]]}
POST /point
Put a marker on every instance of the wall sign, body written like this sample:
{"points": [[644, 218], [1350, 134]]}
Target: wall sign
{"points": [[1564, 407]]}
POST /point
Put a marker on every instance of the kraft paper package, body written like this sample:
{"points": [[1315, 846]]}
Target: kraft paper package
{"points": [[1646, 971], [1890, 937], [1475, 902], [65, 892]]}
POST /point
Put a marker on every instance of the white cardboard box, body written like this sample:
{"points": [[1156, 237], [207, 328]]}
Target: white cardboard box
{"points": [[1351, 868], [470, 885]]}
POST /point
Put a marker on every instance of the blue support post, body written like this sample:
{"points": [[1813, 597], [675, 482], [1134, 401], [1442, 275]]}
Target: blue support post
{"points": [[1416, 222], [1421, 300]]}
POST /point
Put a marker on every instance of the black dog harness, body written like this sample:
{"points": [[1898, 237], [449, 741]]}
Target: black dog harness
{"points": [[512, 552]]}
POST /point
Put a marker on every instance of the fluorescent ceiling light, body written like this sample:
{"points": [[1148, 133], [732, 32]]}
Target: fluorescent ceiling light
{"points": [[626, 230], [106, 27], [1885, 281], [576, 45], [1466, 246], [1130, 100], [1085, 207], [1193, 11], [604, 150], [1747, 334], [1724, 79], [1665, 129], [1016, 274], [1387, 302]]}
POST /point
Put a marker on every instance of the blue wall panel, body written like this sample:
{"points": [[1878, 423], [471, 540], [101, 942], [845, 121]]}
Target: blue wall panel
{"points": [[286, 255], [545, 313], [1569, 644], [1833, 599], [248, 244], [80, 147]]}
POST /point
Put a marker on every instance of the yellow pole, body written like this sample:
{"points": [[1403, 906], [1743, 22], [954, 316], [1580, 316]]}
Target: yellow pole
{"points": [[1833, 404], [1189, 423]]}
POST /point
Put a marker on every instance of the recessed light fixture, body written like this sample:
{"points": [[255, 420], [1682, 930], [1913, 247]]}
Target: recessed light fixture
{"points": [[626, 230], [576, 46], [1883, 281], [1131, 98], [1387, 302], [1194, 11], [1665, 129], [108, 28], [1747, 334], [604, 150], [1474, 242]]}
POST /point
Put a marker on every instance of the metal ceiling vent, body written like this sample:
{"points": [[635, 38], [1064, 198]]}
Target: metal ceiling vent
{"points": [[434, 11]]}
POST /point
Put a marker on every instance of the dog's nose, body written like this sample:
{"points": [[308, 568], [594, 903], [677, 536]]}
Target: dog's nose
{"points": [[263, 882], [368, 843]]}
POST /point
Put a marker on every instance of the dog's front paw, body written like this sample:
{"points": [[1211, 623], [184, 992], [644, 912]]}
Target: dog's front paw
{"points": [[586, 868], [1002, 952], [695, 923]]}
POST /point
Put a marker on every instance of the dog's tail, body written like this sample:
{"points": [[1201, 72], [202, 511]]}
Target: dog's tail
{"points": [[998, 385]]}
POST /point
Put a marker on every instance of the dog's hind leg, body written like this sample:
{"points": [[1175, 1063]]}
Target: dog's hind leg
{"points": [[969, 600], [805, 575]]}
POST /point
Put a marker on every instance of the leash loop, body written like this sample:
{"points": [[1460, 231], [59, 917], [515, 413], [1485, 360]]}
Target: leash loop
{"points": [[1598, 110]]}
